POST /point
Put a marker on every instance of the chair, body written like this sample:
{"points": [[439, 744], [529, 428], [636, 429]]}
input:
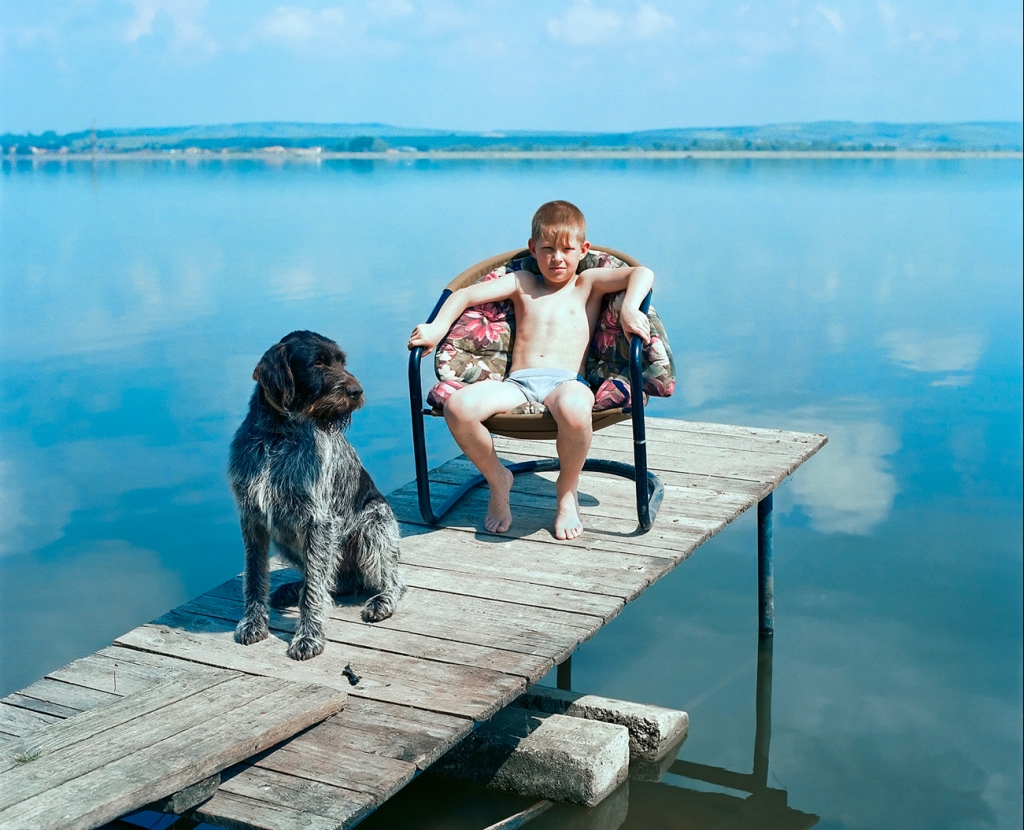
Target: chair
{"points": [[479, 345]]}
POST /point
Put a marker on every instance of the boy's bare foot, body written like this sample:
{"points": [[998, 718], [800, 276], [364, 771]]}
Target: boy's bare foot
{"points": [[499, 507], [568, 524]]}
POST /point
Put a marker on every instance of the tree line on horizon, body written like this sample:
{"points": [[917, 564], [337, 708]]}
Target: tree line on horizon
{"points": [[821, 136]]}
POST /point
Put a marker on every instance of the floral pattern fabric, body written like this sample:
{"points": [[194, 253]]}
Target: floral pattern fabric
{"points": [[479, 347]]}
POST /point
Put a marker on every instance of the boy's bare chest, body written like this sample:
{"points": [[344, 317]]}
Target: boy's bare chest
{"points": [[565, 309]]}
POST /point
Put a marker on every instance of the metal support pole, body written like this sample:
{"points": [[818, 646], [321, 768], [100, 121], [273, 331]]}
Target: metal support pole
{"points": [[564, 676], [765, 577]]}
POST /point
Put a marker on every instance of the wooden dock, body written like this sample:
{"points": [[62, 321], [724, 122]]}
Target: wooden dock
{"points": [[484, 616]]}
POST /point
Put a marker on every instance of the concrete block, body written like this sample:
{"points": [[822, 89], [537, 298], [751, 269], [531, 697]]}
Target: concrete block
{"points": [[653, 730], [544, 755]]}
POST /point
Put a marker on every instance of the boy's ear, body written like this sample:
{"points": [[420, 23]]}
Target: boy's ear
{"points": [[584, 247], [532, 247]]}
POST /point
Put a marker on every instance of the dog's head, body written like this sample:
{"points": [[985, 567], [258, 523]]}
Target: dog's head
{"points": [[304, 376]]}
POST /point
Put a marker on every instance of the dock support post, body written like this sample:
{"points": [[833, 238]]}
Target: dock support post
{"points": [[564, 677], [765, 577]]}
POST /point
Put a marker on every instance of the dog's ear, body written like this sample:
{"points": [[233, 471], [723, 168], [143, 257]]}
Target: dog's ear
{"points": [[274, 375]]}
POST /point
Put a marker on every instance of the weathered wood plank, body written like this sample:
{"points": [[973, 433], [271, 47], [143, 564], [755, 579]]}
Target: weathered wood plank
{"points": [[525, 593], [400, 732], [495, 624], [323, 753], [62, 735], [441, 687], [102, 673], [67, 696], [204, 733], [730, 431], [17, 721], [677, 536], [599, 489], [225, 603], [669, 458], [581, 570], [254, 797]]}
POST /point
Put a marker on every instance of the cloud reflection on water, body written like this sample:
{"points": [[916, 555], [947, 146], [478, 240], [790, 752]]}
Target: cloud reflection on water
{"points": [[934, 352]]}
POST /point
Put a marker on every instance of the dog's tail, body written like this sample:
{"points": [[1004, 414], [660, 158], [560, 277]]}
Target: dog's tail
{"points": [[376, 545]]}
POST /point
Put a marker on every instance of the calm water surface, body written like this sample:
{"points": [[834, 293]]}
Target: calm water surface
{"points": [[877, 302]]}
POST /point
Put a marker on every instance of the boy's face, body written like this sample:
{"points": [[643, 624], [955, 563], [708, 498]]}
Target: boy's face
{"points": [[558, 258]]}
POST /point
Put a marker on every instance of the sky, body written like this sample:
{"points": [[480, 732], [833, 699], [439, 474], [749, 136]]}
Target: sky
{"points": [[604, 65]]}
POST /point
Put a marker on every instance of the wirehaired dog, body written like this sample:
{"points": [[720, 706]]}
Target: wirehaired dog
{"points": [[299, 484]]}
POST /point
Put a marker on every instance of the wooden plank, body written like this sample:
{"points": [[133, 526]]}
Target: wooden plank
{"points": [[17, 721], [323, 754], [669, 458], [581, 570], [131, 762], [713, 431], [441, 687], [104, 673], [597, 488], [254, 797], [248, 714], [62, 735], [265, 797], [525, 593], [674, 535], [494, 624], [59, 699], [412, 735], [497, 624], [225, 603], [41, 707]]}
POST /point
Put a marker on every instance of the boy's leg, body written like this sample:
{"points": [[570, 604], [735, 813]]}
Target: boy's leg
{"points": [[571, 404], [465, 413]]}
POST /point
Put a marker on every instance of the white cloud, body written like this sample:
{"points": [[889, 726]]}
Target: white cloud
{"points": [[888, 14], [296, 25], [833, 17], [584, 23], [648, 22], [926, 352], [185, 17], [391, 8]]}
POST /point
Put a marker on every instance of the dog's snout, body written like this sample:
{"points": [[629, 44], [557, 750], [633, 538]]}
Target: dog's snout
{"points": [[353, 389]]}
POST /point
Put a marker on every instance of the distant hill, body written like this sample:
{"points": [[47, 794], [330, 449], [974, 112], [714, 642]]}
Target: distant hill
{"points": [[818, 135]]}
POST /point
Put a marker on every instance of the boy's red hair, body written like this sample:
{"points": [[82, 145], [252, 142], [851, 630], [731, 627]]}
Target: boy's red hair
{"points": [[559, 221]]}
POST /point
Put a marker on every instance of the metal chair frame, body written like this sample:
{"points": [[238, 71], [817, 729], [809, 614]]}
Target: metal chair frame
{"points": [[649, 489]]}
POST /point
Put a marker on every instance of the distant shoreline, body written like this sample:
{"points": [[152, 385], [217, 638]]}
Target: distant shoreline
{"points": [[301, 155]]}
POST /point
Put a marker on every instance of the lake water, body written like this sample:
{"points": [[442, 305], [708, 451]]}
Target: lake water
{"points": [[878, 302]]}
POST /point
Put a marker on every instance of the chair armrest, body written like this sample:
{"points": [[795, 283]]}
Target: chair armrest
{"points": [[636, 372]]}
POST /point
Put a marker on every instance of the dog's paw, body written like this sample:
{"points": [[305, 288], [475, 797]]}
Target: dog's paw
{"points": [[285, 595], [378, 608], [251, 630], [304, 648]]}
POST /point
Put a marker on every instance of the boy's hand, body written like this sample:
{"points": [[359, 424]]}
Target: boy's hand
{"points": [[425, 335], [635, 322]]}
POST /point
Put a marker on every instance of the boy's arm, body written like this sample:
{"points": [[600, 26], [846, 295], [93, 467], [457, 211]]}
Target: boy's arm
{"points": [[429, 335], [637, 281]]}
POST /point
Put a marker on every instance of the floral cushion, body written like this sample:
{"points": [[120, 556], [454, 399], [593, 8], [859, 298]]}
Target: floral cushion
{"points": [[479, 346]]}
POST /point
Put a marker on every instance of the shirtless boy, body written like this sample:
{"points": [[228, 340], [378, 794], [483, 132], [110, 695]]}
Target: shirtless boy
{"points": [[555, 318]]}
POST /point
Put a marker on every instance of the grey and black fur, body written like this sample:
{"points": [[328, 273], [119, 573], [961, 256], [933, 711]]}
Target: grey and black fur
{"points": [[299, 484]]}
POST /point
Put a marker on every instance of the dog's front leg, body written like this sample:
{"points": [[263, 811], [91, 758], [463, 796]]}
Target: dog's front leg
{"points": [[308, 640], [254, 625]]}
